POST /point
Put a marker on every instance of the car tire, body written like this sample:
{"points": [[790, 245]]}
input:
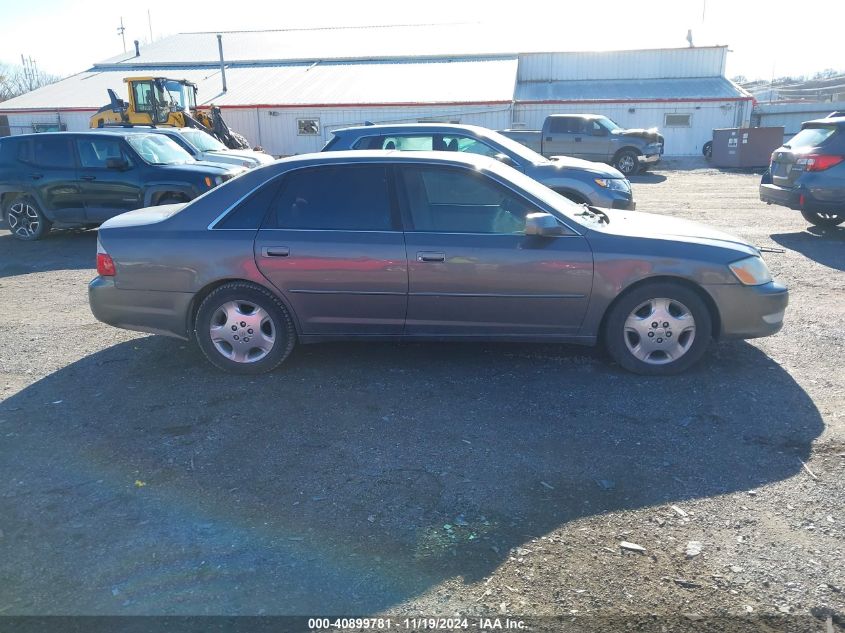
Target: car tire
{"points": [[243, 328], [707, 150], [25, 219], [627, 162], [817, 218], [658, 329]]}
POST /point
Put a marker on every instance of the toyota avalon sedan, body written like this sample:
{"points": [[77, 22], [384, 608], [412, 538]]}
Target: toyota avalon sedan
{"points": [[387, 245]]}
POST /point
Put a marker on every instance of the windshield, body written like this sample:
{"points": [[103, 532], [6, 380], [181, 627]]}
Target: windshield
{"points": [[812, 136], [517, 149], [610, 124], [202, 141], [157, 149]]}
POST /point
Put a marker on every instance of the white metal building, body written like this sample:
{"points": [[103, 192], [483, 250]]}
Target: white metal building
{"points": [[287, 90]]}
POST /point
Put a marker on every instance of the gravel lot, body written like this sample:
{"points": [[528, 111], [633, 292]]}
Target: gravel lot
{"points": [[427, 479]]}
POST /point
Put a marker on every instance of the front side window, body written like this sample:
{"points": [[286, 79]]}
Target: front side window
{"points": [[335, 197], [454, 200], [95, 153]]}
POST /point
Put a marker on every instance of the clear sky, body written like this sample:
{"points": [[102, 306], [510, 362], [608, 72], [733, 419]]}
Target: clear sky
{"points": [[766, 38]]}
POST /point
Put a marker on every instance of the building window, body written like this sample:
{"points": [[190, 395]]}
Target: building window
{"points": [[308, 127], [677, 120]]}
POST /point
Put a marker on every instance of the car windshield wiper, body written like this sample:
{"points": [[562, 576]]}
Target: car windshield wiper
{"points": [[593, 212]]}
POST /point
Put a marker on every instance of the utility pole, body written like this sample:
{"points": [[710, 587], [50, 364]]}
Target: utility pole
{"points": [[150, 23], [120, 31]]}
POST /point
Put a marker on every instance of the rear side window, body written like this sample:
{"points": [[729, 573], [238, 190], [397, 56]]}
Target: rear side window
{"points": [[337, 197], [250, 213], [812, 136], [567, 125], [47, 151]]}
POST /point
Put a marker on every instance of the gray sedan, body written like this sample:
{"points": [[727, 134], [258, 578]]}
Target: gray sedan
{"points": [[375, 245], [579, 180]]}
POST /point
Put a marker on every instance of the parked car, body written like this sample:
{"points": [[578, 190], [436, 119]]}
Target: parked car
{"points": [[579, 180], [808, 173], [202, 145], [80, 179], [375, 245], [594, 137]]}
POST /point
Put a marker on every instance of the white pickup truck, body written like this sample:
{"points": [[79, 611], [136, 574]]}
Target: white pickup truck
{"points": [[593, 137]]}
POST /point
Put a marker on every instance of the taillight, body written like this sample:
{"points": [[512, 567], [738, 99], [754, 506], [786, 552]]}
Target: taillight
{"points": [[105, 264], [819, 162]]}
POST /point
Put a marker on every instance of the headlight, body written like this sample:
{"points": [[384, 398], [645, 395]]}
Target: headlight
{"points": [[751, 271], [617, 184]]}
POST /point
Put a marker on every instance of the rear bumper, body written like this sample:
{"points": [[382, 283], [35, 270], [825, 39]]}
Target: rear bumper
{"points": [[140, 310], [798, 198], [750, 311]]}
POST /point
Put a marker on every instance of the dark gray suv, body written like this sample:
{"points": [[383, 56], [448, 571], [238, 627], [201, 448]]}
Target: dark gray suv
{"points": [[579, 180]]}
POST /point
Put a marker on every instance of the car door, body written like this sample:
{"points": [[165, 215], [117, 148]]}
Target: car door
{"points": [[471, 269], [49, 171], [332, 244], [564, 136], [108, 177], [595, 144]]}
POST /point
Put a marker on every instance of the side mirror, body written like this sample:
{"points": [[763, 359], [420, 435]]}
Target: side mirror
{"points": [[600, 131], [542, 224], [118, 164], [505, 160]]}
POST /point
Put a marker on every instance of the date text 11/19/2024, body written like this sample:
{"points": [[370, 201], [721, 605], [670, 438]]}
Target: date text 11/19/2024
{"points": [[417, 624]]}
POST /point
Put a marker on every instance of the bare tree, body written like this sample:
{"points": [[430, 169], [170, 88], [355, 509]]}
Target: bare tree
{"points": [[15, 81]]}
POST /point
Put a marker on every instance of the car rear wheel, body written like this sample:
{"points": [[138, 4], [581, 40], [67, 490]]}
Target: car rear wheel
{"points": [[627, 162], [26, 220], [243, 328], [658, 329], [819, 218]]}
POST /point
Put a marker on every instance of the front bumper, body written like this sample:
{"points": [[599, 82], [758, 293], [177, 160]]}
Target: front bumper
{"points": [[613, 199], [749, 311], [649, 159], [140, 310]]}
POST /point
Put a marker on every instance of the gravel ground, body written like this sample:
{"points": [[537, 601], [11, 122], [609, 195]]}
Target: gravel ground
{"points": [[427, 479]]}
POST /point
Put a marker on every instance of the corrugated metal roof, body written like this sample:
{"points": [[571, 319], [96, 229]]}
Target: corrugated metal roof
{"points": [[377, 42], [629, 90], [465, 81]]}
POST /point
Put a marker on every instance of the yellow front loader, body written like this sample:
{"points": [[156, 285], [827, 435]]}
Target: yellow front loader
{"points": [[160, 101]]}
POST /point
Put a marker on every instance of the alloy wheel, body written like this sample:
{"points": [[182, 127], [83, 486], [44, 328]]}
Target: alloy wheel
{"points": [[24, 220]]}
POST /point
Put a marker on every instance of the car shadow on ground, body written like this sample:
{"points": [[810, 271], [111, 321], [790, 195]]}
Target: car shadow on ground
{"points": [[141, 480], [647, 178], [823, 245], [59, 250]]}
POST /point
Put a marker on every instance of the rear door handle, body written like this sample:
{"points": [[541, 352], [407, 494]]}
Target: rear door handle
{"points": [[88, 178], [275, 251], [431, 256], [548, 138]]}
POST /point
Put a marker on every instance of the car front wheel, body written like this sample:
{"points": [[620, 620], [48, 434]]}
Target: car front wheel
{"points": [[658, 329], [627, 162], [26, 220], [818, 218], [244, 328]]}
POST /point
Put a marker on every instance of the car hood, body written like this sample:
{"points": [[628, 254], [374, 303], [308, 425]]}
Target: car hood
{"points": [[666, 227], [202, 168], [141, 217], [559, 163], [651, 134], [239, 156]]}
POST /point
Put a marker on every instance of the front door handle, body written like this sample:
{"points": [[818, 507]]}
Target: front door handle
{"points": [[548, 138], [577, 139], [275, 251], [431, 256], [36, 176], [88, 178]]}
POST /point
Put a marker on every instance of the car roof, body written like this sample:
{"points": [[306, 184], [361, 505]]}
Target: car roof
{"points": [[835, 120], [476, 161], [97, 131], [411, 127]]}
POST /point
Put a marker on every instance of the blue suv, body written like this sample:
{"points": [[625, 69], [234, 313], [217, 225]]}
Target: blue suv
{"points": [[808, 172]]}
